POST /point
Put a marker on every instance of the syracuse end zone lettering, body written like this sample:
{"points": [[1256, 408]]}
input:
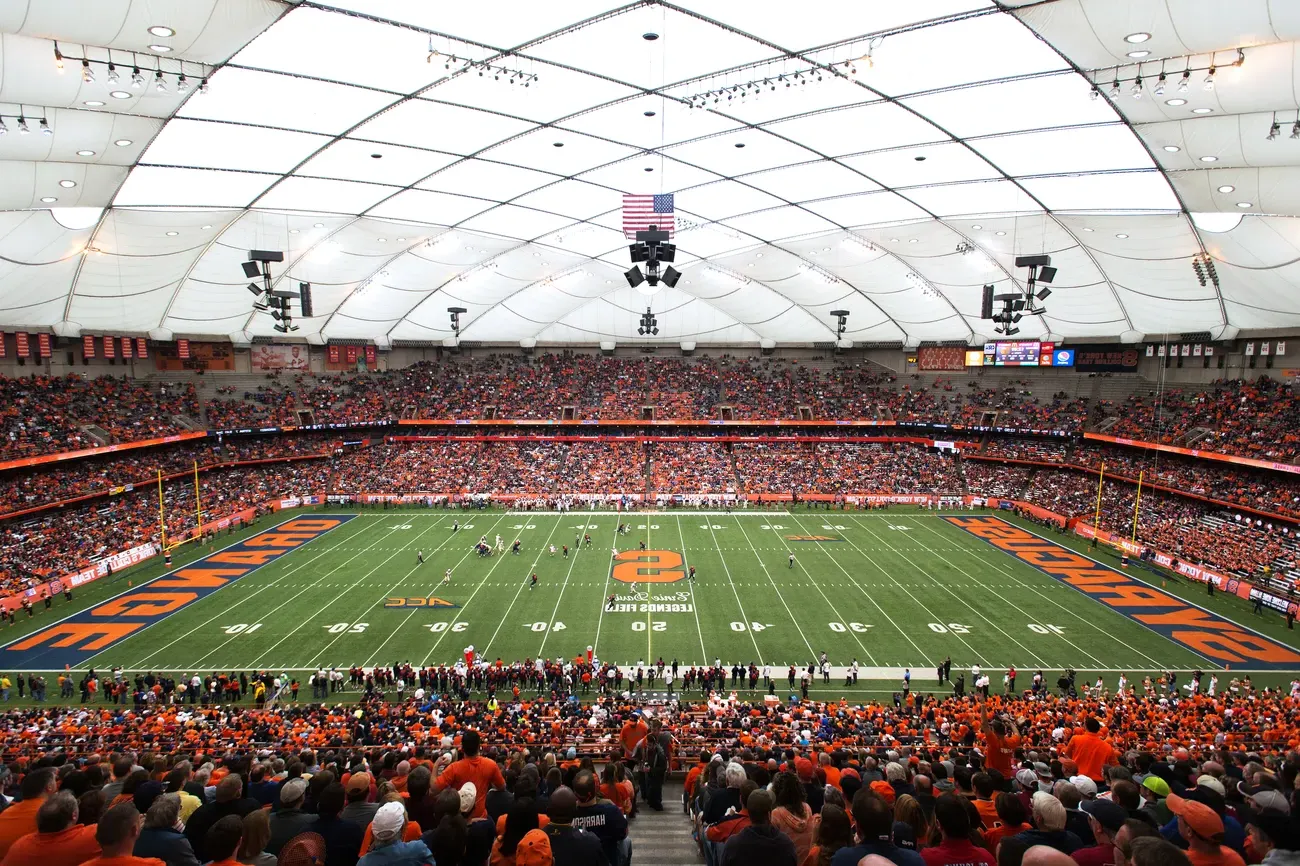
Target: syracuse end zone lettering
{"points": [[647, 566], [1215, 638], [83, 635]]}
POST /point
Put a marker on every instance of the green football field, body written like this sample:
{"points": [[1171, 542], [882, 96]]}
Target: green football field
{"points": [[889, 589]]}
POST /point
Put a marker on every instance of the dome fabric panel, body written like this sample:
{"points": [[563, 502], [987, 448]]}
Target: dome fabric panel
{"points": [[943, 139]]}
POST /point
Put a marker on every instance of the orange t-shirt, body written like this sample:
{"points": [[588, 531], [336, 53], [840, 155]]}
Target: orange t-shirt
{"points": [[1091, 753], [988, 814], [1000, 752], [1225, 857], [483, 773]]}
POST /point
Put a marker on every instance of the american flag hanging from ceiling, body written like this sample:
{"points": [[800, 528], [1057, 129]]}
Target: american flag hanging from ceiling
{"points": [[642, 211]]}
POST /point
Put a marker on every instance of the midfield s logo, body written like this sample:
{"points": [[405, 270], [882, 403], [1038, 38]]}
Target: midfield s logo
{"points": [[648, 566]]}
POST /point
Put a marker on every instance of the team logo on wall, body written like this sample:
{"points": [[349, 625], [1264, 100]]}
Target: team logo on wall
{"points": [[648, 566], [431, 601]]}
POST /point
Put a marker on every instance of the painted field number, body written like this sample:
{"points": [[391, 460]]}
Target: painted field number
{"points": [[242, 628], [656, 625], [840, 628], [954, 627], [341, 627], [1046, 628], [440, 627]]}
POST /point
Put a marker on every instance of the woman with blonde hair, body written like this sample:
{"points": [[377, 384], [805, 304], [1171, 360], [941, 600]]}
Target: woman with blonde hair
{"points": [[907, 810]]}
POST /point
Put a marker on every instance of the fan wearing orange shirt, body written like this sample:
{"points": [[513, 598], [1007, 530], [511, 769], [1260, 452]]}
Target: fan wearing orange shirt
{"points": [[1090, 751], [482, 772], [1000, 744], [633, 732]]}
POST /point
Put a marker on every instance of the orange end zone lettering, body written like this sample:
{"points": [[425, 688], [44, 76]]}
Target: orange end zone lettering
{"points": [[85, 634], [145, 604], [71, 634], [1216, 639]]}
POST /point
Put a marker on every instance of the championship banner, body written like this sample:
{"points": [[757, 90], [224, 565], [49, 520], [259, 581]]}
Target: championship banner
{"points": [[351, 353], [126, 347], [141, 347], [273, 357], [87, 346], [44, 344], [110, 350], [183, 349], [371, 353], [24, 348], [334, 354]]}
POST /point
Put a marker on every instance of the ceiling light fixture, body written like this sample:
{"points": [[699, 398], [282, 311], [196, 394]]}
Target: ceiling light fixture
{"points": [[120, 94], [1244, 204], [48, 199], [1121, 236], [1275, 130], [172, 234], [85, 153], [1209, 159], [58, 58], [87, 74], [22, 126], [112, 73], [123, 142], [182, 84], [1172, 148], [93, 103], [45, 127], [1139, 54], [1202, 110], [1208, 83], [1114, 86], [161, 49], [67, 184], [137, 77], [161, 31], [1159, 89], [1185, 81], [1136, 90], [1227, 187], [1295, 127], [1175, 102], [1137, 38], [159, 83]]}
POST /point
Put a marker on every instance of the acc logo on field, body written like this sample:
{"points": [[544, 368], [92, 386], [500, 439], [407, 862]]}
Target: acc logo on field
{"points": [[431, 601], [647, 566]]}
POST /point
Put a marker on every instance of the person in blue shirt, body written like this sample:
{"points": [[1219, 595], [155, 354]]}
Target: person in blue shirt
{"points": [[875, 822]]}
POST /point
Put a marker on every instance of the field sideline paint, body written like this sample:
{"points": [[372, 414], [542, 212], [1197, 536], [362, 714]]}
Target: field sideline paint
{"points": [[1220, 641], [88, 633]]}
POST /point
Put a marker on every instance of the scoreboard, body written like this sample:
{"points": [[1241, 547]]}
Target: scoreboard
{"points": [[1012, 353]]}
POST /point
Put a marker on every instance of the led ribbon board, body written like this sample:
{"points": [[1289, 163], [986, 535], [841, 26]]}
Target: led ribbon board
{"points": [[1218, 640], [82, 636]]}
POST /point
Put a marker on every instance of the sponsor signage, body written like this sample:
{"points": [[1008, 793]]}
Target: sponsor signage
{"points": [[1105, 358]]}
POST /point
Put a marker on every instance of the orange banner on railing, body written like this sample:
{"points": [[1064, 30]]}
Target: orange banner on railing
{"points": [[1196, 452]]}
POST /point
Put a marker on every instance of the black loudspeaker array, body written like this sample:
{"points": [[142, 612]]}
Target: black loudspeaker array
{"points": [[304, 293], [986, 305]]}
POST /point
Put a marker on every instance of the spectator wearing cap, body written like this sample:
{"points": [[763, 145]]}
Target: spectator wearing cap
{"points": [[358, 810], [1275, 837], [228, 802], [875, 826], [290, 819], [342, 838], [1049, 826], [759, 844], [954, 848], [1234, 834], [116, 833], [1202, 829], [20, 819], [1075, 820], [1155, 792], [162, 836], [483, 772], [59, 840], [1105, 819], [389, 849]]}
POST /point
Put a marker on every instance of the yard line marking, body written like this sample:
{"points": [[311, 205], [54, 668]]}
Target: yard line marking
{"points": [[464, 556], [572, 562], [600, 615], [506, 615], [362, 530], [462, 610], [695, 608], [1068, 611], [779, 595], [834, 611], [968, 605], [327, 605], [734, 592], [904, 588]]}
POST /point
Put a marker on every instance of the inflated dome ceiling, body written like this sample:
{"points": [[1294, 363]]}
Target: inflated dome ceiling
{"points": [[885, 158]]}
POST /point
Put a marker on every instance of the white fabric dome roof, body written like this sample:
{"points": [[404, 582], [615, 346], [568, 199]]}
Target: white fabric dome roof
{"points": [[399, 183]]}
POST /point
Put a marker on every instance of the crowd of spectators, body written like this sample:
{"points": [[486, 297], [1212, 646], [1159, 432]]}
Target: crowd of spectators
{"points": [[416, 774], [45, 414], [995, 479], [691, 467], [1258, 418], [883, 468]]}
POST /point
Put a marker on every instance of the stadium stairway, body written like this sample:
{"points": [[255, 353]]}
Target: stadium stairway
{"points": [[664, 838]]}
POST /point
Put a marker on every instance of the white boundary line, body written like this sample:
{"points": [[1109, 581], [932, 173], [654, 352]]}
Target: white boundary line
{"points": [[293, 570], [1068, 611], [1182, 600], [392, 633], [744, 616], [522, 583], [691, 585], [966, 603], [573, 561]]}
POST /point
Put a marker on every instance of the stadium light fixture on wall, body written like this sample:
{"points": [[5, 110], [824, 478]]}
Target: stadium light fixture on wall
{"points": [[21, 122], [767, 77], [453, 63]]}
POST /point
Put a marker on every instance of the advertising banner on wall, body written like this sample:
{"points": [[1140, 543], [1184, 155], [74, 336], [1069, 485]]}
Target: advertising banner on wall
{"points": [[280, 357], [1105, 358], [934, 358]]}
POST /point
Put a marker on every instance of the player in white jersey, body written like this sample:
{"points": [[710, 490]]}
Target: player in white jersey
{"points": [[446, 578], [552, 551]]}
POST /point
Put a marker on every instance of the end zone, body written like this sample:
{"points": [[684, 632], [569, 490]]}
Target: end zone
{"points": [[82, 636]]}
